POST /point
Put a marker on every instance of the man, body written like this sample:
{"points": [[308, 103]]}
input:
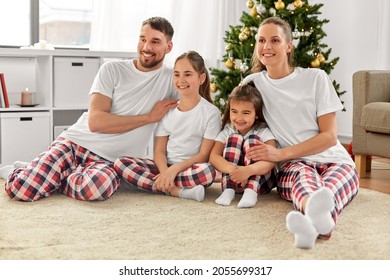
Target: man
{"points": [[128, 99]]}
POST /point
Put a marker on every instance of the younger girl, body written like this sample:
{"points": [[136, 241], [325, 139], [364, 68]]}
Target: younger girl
{"points": [[243, 127], [184, 138]]}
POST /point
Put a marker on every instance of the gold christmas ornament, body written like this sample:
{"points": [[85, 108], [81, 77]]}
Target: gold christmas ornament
{"points": [[253, 12], [315, 63], [321, 58], [213, 87], [247, 31], [279, 5], [242, 36], [250, 4], [298, 4], [228, 47], [229, 64]]}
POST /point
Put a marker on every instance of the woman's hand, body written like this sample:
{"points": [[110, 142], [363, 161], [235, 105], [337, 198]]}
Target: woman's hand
{"points": [[265, 152]]}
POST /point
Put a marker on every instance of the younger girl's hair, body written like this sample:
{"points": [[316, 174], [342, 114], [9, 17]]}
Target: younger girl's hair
{"points": [[257, 66], [197, 62], [246, 92]]}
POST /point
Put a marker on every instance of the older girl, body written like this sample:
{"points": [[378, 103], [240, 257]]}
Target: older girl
{"points": [[184, 138]]}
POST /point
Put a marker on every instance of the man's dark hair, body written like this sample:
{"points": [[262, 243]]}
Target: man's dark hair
{"points": [[161, 24]]}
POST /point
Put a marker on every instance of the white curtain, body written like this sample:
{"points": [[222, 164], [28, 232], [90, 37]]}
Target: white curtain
{"points": [[199, 24]]}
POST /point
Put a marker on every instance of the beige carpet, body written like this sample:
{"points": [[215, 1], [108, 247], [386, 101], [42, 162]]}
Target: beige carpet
{"points": [[137, 225]]}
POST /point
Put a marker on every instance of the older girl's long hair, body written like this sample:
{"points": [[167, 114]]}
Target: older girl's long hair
{"points": [[197, 62]]}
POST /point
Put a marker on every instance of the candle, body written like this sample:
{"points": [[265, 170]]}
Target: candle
{"points": [[26, 97]]}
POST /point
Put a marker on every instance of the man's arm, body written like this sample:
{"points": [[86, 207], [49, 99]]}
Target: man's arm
{"points": [[103, 121]]}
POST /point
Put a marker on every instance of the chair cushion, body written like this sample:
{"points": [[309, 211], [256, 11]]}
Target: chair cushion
{"points": [[376, 117]]}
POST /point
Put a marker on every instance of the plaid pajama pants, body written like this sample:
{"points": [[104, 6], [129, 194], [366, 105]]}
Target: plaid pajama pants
{"points": [[67, 168], [298, 179], [234, 152], [140, 172]]}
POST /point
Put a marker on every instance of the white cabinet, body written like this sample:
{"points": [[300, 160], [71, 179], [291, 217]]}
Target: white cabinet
{"points": [[60, 80], [73, 77], [23, 135]]}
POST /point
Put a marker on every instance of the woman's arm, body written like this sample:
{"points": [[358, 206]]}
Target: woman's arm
{"points": [[100, 119], [326, 138]]}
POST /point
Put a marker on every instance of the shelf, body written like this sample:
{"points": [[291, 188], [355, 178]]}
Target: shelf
{"points": [[16, 108], [46, 73]]}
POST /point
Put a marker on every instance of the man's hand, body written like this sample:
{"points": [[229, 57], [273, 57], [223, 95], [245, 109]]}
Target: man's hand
{"points": [[161, 108]]}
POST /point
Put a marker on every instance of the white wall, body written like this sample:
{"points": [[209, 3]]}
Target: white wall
{"points": [[358, 33]]}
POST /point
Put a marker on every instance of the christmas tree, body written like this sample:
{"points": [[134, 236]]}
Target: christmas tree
{"points": [[240, 42]]}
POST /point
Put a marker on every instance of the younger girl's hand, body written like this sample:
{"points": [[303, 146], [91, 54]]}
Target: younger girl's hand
{"points": [[165, 181], [239, 175], [264, 152]]}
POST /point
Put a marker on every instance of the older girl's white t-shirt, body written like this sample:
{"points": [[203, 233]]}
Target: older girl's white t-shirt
{"points": [[186, 130]]}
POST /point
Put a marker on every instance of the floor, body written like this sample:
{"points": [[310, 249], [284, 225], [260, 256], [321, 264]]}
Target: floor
{"points": [[378, 179]]}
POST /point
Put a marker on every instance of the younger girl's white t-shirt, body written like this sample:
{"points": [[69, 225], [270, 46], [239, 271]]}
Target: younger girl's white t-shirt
{"points": [[263, 132]]}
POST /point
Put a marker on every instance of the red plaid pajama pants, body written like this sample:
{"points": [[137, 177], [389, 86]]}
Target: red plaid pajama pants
{"points": [[140, 172], [234, 152], [67, 168], [298, 179]]}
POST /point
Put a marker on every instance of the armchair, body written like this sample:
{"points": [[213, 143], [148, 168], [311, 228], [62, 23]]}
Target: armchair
{"points": [[371, 117]]}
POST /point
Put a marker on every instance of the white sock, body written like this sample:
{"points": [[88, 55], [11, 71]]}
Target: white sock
{"points": [[304, 231], [249, 199], [20, 164], [226, 197], [318, 209], [6, 170], [195, 193]]}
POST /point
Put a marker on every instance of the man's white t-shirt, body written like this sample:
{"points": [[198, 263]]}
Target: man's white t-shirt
{"points": [[293, 104], [133, 92], [186, 130]]}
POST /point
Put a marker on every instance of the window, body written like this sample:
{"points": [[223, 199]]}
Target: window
{"points": [[15, 23], [65, 23], [60, 23]]}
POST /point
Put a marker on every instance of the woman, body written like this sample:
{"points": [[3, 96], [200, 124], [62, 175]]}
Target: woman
{"points": [[315, 171]]}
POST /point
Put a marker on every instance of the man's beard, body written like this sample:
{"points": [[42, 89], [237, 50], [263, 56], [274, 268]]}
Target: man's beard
{"points": [[149, 64]]}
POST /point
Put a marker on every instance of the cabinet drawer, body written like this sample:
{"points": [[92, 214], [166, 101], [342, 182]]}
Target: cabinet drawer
{"points": [[73, 77], [23, 135]]}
